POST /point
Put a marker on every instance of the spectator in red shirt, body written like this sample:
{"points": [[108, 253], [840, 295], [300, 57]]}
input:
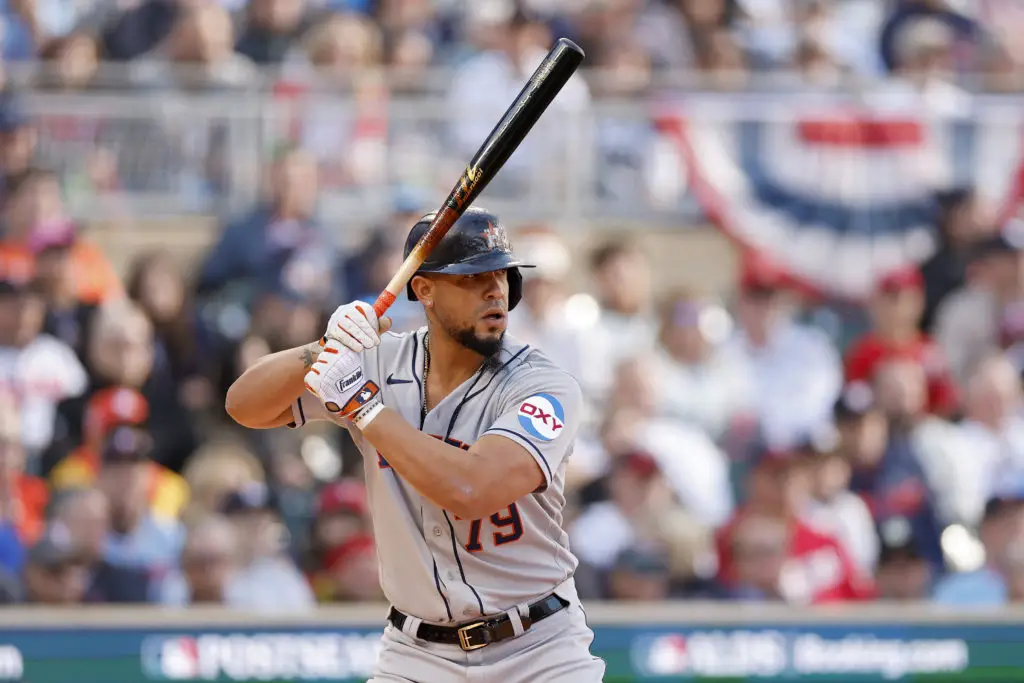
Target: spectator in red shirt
{"points": [[896, 311], [816, 569]]}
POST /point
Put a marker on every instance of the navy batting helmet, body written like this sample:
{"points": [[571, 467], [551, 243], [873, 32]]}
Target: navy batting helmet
{"points": [[477, 243]]}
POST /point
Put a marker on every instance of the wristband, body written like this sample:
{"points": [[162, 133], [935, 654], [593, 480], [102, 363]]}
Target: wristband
{"points": [[364, 417]]}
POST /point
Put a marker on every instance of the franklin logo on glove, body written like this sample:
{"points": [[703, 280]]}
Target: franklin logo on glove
{"points": [[351, 380]]}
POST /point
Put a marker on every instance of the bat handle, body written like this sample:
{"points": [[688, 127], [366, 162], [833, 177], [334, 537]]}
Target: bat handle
{"points": [[383, 303]]}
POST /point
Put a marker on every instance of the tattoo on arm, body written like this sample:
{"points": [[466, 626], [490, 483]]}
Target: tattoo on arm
{"points": [[309, 354]]}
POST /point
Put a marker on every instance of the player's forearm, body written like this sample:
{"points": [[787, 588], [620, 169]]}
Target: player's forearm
{"points": [[262, 397], [446, 475]]}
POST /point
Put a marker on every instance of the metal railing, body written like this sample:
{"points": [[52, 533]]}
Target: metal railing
{"points": [[173, 152]]}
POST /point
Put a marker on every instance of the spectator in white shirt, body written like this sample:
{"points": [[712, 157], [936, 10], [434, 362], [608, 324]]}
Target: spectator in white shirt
{"points": [[993, 449], [697, 380], [625, 326], [834, 509], [797, 372], [262, 558], [605, 529], [39, 369]]}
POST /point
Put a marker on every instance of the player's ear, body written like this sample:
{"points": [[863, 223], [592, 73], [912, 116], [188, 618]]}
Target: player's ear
{"points": [[423, 288]]}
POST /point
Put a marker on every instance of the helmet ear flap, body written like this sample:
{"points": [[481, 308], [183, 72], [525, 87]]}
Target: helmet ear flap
{"points": [[515, 287]]}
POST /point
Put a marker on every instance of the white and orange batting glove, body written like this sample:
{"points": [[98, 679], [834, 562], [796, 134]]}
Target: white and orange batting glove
{"points": [[338, 380], [355, 325]]}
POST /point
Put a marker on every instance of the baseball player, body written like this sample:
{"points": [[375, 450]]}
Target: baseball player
{"points": [[465, 435]]}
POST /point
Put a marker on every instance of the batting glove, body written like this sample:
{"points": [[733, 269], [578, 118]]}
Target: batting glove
{"points": [[356, 326], [338, 380]]}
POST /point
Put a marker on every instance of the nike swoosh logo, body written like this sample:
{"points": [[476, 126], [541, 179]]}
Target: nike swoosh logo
{"points": [[392, 380]]}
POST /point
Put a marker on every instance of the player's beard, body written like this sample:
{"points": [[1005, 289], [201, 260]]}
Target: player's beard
{"points": [[487, 347]]}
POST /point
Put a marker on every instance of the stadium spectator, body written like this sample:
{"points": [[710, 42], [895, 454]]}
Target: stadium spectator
{"points": [[880, 435], [69, 63], [342, 515], [606, 528], [896, 310], [121, 354], [542, 318], [254, 514], [140, 29], [257, 244], [197, 53], [271, 28], [157, 284], [834, 509], [909, 16], [904, 573], [1002, 534], [962, 223], [139, 537], [695, 469], [697, 380], [622, 277], [640, 574], [23, 497], [208, 566], [351, 573], [993, 433], [85, 514], [107, 411], [217, 468], [817, 569], [758, 547], [797, 373], [68, 319], [18, 138], [55, 572], [39, 369]]}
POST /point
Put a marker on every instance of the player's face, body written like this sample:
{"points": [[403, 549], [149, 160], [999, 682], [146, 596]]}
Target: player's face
{"points": [[472, 309]]}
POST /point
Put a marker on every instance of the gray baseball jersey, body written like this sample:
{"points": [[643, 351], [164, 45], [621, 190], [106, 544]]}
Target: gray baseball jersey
{"points": [[434, 565]]}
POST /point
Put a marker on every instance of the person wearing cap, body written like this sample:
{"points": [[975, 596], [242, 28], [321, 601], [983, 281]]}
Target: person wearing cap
{"points": [[987, 313], [879, 430], [779, 490], [55, 572], [700, 382], [139, 537], [41, 369], [106, 411], [350, 572], [56, 281], [797, 373], [606, 528], [262, 557], [342, 512], [904, 573], [33, 216], [1002, 536], [896, 308]]}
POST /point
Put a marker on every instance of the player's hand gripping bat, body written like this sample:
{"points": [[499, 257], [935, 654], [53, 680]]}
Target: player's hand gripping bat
{"points": [[546, 82]]}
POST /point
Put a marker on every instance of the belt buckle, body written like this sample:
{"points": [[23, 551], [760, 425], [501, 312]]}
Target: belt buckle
{"points": [[465, 634]]}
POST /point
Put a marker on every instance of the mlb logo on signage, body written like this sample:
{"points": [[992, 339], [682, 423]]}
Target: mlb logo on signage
{"points": [[541, 415], [174, 658]]}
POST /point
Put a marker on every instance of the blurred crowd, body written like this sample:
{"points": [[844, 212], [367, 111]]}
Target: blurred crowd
{"points": [[761, 443], [341, 71]]}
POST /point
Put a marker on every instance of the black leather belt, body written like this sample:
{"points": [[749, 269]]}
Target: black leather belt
{"points": [[478, 634]]}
